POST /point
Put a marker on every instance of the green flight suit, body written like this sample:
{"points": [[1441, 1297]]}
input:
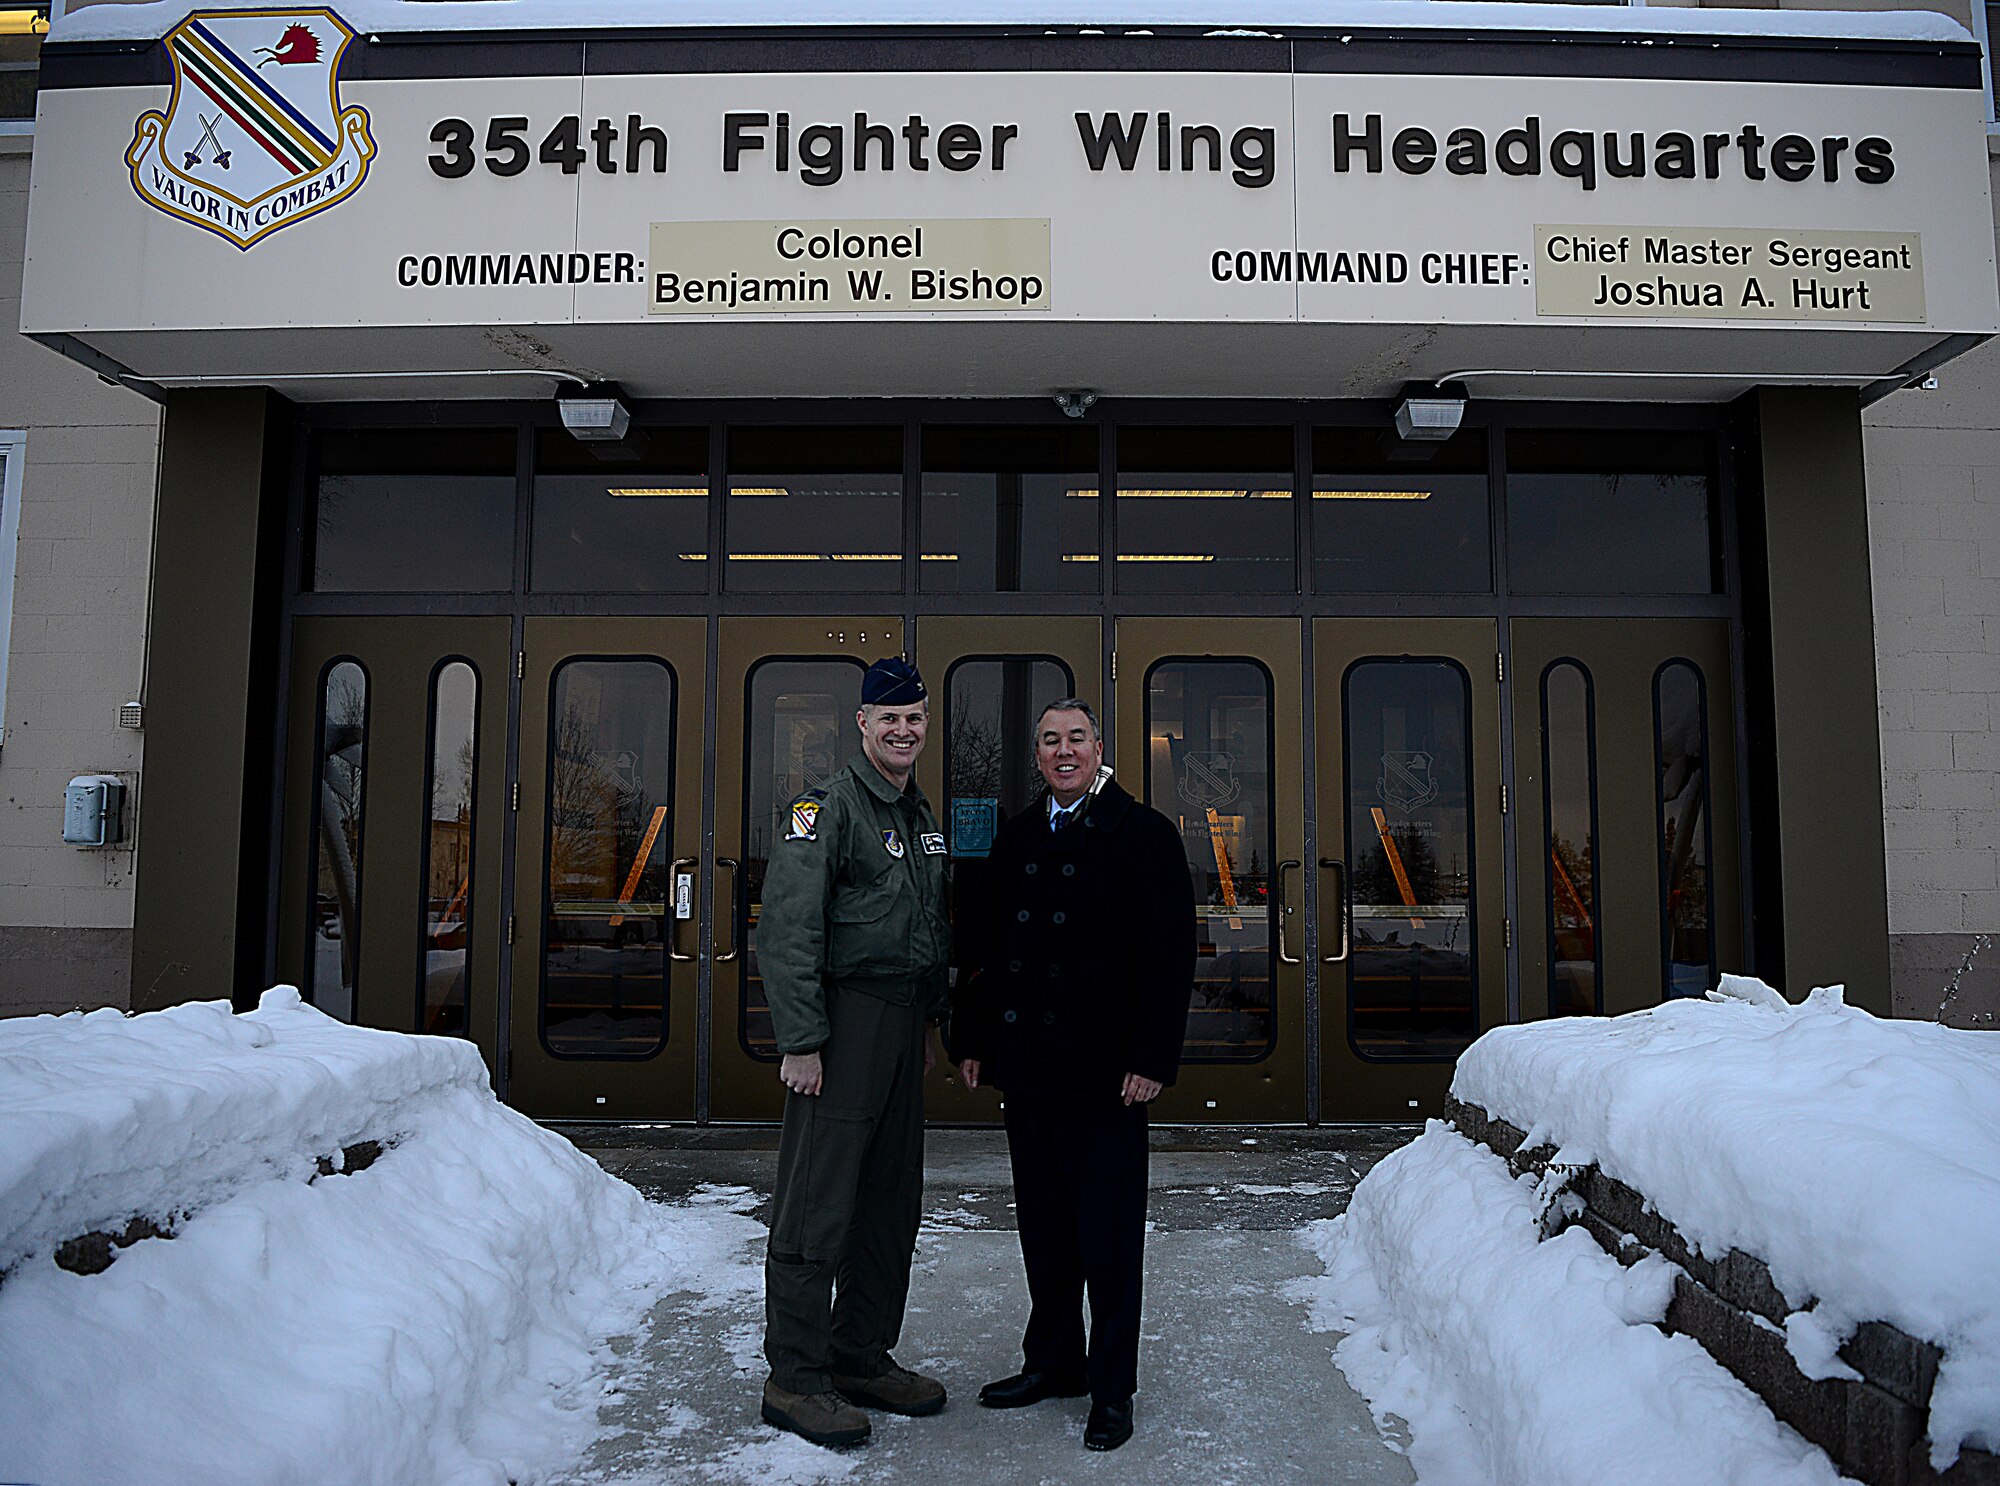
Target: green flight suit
{"points": [[852, 944]]}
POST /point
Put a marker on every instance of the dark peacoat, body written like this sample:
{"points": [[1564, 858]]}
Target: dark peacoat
{"points": [[1079, 965]]}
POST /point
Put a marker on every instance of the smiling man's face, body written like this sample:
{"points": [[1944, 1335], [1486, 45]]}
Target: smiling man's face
{"points": [[1067, 751], [893, 736]]}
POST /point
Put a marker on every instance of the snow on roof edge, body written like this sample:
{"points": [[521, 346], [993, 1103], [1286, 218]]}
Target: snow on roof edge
{"points": [[130, 22]]}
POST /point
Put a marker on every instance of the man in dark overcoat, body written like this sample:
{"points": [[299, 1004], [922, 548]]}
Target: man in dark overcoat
{"points": [[1080, 967]]}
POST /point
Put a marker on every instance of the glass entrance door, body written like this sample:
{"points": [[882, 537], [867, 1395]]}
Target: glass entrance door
{"points": [[786, 693], [606, 897], [389, 911], [1410, 858], [989, 679], [1625, 749], [1207, 732]]}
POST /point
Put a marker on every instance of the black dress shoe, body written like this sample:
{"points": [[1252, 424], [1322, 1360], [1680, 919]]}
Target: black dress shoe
{"points": [[1109, 1425], [1025, 1388]]}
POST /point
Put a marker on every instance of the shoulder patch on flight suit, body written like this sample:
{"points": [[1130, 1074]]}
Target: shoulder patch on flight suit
{"points": [[805, 819], [933, 843], [894, 843]]}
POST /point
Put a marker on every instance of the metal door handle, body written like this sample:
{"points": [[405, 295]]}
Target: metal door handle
{"points": [[726, 903], [674, 907], [1340, 906], [1285, 956]]}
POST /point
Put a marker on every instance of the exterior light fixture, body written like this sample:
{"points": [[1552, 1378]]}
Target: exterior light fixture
{"points": [[594, 415], [1430, 414], [1075, 404]]}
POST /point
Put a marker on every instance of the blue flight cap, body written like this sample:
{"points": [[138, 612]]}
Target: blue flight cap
{"points": [[892, 683]]}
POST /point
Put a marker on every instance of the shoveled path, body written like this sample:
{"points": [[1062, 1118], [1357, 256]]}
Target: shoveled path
{"points": [[1233, 1387]]}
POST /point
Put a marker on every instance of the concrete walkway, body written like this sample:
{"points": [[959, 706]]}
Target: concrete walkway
{"points": [[1233, 1388]]}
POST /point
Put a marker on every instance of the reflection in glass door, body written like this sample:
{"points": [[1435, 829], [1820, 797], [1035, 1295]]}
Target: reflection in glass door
{"points": [[1207, 734], [605, 889], [1208, 769], [1631, 891], [389, 909], [1410, 858]]}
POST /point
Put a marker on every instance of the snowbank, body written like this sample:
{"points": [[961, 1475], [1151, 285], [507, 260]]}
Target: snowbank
{"points": [[436, 1318], [1527, 1363], [109, 1117], [138, 22], [1859, 1158]]}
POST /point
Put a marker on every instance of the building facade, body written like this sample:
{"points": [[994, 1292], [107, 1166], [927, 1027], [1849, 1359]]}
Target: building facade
{"points": [[1467, 459]]}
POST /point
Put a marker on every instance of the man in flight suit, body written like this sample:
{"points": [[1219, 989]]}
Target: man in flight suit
{"points": [[1082, 966], [852, 945]]}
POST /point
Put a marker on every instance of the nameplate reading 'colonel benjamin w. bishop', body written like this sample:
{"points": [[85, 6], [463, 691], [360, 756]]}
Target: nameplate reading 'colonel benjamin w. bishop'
{"points": [[254, 137]]}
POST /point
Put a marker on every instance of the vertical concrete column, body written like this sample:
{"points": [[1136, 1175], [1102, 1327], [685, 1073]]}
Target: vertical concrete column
{"points": [[1821, 633], [197, 922]]}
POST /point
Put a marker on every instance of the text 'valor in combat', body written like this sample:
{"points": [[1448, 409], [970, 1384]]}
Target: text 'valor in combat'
{"points": [[982, 264]]}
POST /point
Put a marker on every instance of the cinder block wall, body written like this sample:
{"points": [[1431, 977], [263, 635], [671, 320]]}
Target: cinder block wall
{"points": [[78, 651], [1934, 515]]}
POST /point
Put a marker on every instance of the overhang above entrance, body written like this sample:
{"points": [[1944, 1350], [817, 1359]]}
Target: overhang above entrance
{"points": [[270, 196]]}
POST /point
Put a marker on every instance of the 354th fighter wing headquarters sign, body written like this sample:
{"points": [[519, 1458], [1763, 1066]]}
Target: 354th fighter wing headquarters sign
{"points": [[254, 137]]}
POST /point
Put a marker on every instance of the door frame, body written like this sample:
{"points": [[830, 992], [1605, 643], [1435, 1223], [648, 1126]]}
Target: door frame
{"points": [[1353, 1086], [660, 1085]]}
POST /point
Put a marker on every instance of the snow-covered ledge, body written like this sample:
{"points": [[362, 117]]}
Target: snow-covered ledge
{"points": [[439, 1316], [1826, 1182]]}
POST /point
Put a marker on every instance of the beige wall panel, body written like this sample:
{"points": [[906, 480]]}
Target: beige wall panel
{"points": [[77, 651]]}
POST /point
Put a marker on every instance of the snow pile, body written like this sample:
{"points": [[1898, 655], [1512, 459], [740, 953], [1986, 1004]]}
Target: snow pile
{"points": [[109, 1117], [1222, 17], [1859, 1158], [1527, 1363], [436, 1318]]}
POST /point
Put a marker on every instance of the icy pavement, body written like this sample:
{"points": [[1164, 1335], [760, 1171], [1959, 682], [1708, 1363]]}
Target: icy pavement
{"points": [[1233, 1385]]}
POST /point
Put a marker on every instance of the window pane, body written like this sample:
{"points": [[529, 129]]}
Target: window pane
{"points": [[441, 996], [340, 760], [634, 520], [801, 733], [20, 64], [1007, 510], [1205, 510], [1607, 512], [1393, 515], [991, 703], [1411, 981], [1569, 805], [414, 511], [815, 510], [611, 728], [1208, 769], [1680, 717]]}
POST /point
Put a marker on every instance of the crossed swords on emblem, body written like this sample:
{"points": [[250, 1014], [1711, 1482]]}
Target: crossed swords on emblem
{"points": [[192, 158]]}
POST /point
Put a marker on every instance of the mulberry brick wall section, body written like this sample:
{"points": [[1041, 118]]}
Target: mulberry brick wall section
{"points": [[1872, 1428], [1934, 526], [77, 650]]}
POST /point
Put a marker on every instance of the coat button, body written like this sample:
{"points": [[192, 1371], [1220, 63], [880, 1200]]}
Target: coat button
{"points": [[1022, 916], [1069, 869], [1029, 869], [1014, 965], [1048, 1019], [1058, 916], [1006, 1016]]}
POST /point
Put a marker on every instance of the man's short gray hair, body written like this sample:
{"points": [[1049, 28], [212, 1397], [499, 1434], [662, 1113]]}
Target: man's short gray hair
{"points": [[1069, 704]]}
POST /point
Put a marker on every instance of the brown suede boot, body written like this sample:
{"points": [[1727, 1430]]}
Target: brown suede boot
{"points": [[897, 1391], [823, 1418]]}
